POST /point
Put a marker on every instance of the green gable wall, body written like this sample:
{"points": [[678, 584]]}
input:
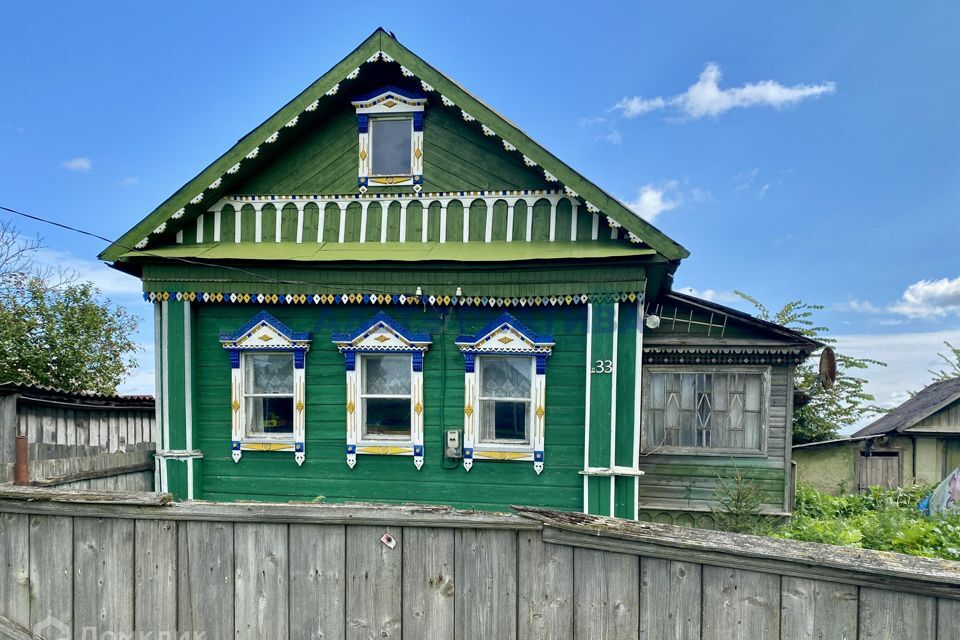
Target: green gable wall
{"points": [[456, 155]]}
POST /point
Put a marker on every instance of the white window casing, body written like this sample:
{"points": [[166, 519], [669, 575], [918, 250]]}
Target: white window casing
{"points": [[505, 341], [264, 334], [382, 336]]}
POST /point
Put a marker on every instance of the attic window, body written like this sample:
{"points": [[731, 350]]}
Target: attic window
{"points": [[390, 146]]}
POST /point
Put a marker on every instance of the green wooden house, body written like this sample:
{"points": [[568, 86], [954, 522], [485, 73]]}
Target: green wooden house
{"points": [[388, 292]]}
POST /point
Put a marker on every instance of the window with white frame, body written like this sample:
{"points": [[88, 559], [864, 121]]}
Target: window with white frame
{"points": [[504, 411], [267, 387], [506, 399], [386, 396], [390, 142], [384, 385], [268, 394], [705, 410], [391, 146]]}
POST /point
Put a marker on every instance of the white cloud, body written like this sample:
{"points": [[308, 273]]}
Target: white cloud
{"points": [[706, 98], [110, 281], [924, 300], [909, 358], [930, 299], [713, 295], [613, 136], [80, 164], [129, 181], [858, 306], [743, 180], [652, 200]]}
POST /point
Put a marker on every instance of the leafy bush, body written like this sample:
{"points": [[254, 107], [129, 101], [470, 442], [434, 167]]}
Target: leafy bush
{"points": [[882, 519]]}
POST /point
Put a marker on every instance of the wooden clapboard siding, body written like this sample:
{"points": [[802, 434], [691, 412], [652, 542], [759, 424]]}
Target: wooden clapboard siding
{"points": [[457, 157], [527, 279], [691, 480], [323, 571], [489, 485]]}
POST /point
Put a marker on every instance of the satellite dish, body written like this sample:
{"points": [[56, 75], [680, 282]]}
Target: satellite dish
{"points": [[828, 368]]}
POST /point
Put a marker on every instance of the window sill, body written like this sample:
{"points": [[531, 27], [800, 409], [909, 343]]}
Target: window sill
{"points": [[504, 453], [386, 447], [390, 181], [267, 444]]}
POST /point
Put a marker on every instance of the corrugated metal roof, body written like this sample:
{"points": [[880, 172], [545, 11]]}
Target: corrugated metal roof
{"points": [[926, 402], [52, 393]]}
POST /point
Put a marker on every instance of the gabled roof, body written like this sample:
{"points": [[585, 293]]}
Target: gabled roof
{"points": [[212, 183], [922, 405]]}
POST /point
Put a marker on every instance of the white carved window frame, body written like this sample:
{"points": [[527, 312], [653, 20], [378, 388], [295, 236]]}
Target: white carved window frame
{"points": [[389, 103], [506, 336], [382, 336], [264, 333]]}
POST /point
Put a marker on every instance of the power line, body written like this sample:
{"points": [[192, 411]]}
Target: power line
{"points": [[196, 263]]}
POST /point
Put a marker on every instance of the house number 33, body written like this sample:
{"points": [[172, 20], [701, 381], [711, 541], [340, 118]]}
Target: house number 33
{"points": [[602, 366]]}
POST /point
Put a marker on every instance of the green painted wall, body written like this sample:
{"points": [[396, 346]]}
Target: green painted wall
{"points": [[489, 485], [456, 156]]}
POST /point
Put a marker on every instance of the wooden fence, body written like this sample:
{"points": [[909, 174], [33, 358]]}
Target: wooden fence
{"points": [[103, 565], [78, 440]]}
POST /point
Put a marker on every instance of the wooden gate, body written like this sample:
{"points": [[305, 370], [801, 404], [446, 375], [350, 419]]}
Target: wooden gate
{"points": [[878, 469]]}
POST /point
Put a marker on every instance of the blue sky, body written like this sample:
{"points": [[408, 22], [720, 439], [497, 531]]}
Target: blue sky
{"points": [[798, 152]]}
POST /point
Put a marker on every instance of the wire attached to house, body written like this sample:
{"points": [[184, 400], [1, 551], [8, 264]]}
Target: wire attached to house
{"points": [[196, 263]]}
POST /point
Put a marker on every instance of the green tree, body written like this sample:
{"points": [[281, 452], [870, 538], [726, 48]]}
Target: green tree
{"points": [[951, 360], [55, 331], [829, 410]]}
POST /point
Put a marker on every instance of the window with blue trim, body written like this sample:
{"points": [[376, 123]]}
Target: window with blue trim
{"points": [[268, 393], [267, 387], [505, 367], [506, 399], [386, 396]]}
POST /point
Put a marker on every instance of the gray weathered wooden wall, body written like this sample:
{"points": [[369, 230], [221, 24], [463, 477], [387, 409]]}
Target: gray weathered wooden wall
{"points": [[323, 571], [80, 443]]}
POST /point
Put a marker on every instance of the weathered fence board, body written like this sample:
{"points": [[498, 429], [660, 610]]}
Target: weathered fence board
{"points": [[606, 590], [889, 615], [545, 589], [486, 594], [817, 610], [948, 619], [155, 589], [205, 589], [669, 599], [428, 583], [374, 586], [14, 568], [261, 580], [103, 575], [324, 571], [740, 604], [317, 582], [51, 568]]}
